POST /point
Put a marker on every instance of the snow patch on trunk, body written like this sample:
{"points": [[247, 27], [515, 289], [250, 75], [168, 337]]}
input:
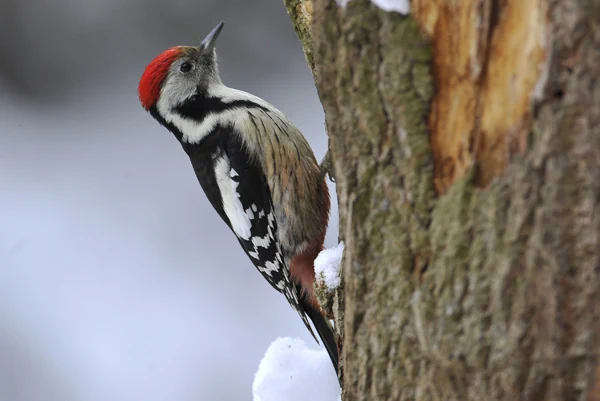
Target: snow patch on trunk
{"points": [[327, 266], [399, 6]]}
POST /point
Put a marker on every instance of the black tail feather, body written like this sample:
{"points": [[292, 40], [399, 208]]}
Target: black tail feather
{"points": [[325, 332]]}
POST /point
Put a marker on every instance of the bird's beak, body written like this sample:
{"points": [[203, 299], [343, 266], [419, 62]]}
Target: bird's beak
{"points": [[208, 44]]}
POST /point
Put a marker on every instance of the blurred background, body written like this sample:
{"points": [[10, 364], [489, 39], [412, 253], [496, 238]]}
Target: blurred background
{"points": [[117, 279]]}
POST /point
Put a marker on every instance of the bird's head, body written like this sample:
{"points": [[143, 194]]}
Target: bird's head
{"points": [[180, 72]]}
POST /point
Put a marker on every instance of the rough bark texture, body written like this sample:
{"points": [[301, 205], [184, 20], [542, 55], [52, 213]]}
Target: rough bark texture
{"points": [[489, 287], [300, 12]]}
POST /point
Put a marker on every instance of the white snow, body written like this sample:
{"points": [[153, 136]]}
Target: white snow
{"points": [[290, 371], [400, 6], [327, 266]]}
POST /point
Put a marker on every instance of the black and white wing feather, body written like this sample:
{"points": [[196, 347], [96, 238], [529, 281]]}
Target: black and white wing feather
{"points": [[244, 202]]}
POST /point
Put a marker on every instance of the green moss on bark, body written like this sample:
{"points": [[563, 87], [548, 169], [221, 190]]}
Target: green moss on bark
{"points": [[300, 14]]}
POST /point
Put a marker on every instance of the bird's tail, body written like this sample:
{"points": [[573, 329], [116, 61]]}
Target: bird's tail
{"points": [[325, 331]]}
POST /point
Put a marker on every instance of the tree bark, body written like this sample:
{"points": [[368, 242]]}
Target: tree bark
{"points": [[466, 144]]}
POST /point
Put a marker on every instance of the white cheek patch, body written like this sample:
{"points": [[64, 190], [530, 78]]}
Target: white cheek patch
{"points": [[239, 219]]}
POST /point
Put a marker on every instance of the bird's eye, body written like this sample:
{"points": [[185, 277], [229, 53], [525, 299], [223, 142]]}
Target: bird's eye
{"points": [[186, 66]]}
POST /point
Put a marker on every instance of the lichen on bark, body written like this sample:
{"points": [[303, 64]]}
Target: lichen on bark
{"points": [[380, 147], [300, 12]]}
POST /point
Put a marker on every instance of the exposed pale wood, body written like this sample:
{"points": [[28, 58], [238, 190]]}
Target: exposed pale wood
{"points": [[488, 57]]}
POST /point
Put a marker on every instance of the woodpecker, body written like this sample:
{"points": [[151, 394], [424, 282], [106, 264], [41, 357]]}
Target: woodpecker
{"points": [[255, 167]]}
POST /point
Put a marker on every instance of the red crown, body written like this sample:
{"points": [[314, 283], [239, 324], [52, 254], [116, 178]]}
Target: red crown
{"points": [[154, 75]]}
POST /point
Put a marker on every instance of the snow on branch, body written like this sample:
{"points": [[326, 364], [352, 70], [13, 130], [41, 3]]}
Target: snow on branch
{"points": [[290, 371]]}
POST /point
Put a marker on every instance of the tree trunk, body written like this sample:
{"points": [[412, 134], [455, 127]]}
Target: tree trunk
{"points": [[466, 143]]}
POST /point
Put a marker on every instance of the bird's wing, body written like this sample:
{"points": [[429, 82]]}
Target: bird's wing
{"points": [[247, 204]]}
